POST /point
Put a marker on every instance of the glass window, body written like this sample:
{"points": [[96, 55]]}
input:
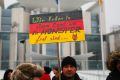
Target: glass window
{"points": [[6, 28], [4, 37], [51, 49], [6, 12], [34, 48], [93, 45], [94, 23], [23, 36], [40, 48], [77, 48], [6, 20]]}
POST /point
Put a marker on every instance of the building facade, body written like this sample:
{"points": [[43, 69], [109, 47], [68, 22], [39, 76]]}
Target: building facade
{"points": [[15, 47], [15, 44]]}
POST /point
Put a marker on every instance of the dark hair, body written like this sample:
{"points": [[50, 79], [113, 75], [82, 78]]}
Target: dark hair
{"points": [[5, 77], [47, 69], [69, 60], [56, 68], [113, 60]]}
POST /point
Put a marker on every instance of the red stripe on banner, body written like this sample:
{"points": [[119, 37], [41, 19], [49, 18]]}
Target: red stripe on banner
{"points": [[57, 26]]}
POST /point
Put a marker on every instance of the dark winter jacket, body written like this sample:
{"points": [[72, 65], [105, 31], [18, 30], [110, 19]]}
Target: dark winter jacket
{"points": [[113, 75], [76, 77], [55, 78]]}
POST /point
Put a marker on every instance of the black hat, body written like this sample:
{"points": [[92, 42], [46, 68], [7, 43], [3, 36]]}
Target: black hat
{"points": [[69, 61]]}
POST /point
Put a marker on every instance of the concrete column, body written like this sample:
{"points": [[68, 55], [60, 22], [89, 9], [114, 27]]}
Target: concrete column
{"points": [[43, 53], [21, 52], [85, 46], [87, 21], [44, 49], [82, 47], [72, 48], [18, 19], [86, 52], [84, 63], [112, 43], [105, 52], [66, 49], [28, 53], [13, 50]]}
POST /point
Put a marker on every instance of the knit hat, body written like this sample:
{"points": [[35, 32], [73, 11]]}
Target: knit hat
{"points": [[69, 61]]}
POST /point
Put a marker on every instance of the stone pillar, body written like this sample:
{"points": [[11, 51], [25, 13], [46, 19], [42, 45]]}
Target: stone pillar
{"points": [[13, 50]]}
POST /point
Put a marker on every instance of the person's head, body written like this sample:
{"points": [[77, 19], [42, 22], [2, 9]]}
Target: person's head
{"points": [[47, 69], [69, 67], [56, 71], [7, 74], [113, 62], [26, 71]]}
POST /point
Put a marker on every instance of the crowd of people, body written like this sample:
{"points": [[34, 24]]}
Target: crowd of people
{"points": [[30, 71]]}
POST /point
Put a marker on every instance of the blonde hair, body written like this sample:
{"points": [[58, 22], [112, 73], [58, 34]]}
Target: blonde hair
{"points": [[26, 71]]}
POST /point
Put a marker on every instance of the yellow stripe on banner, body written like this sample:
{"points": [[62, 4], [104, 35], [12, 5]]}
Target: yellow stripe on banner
{"points": [[100, 2], [40, 38]]}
